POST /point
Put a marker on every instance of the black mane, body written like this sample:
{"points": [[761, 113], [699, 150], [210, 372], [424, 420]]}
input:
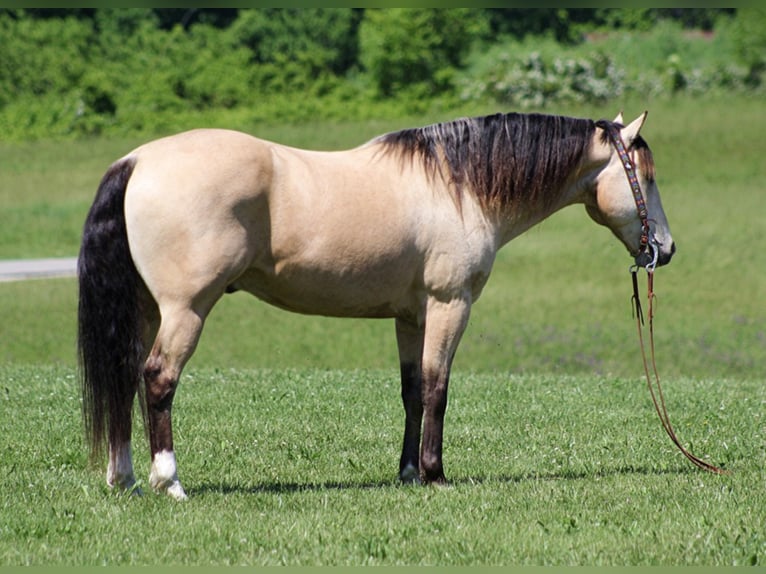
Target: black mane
{"points": [[504, 159]]}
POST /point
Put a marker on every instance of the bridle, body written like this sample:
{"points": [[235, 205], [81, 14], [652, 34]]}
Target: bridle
{"points": [[648, 246], [648, 243]]}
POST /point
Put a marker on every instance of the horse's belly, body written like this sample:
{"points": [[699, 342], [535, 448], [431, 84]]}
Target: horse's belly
{"points": [[371, 294]]}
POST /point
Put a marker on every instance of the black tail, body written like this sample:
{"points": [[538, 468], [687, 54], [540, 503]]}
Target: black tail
{"points": [[109, 328]]}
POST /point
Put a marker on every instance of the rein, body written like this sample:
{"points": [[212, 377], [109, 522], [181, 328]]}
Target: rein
{"points": [[648, 245]]}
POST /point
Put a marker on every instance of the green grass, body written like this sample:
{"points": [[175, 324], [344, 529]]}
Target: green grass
{"points": [[298, 467], [288, 428]]}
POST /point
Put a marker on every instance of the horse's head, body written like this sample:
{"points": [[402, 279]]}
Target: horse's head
{"points": [[626, 198]]}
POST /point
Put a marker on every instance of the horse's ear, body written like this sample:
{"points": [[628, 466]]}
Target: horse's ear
{"points": [[618, 119], [630, 132]]}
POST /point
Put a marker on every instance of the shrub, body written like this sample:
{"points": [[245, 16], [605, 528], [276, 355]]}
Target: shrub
{"points": [[41, 57], [749, 35], [402, 47], [301, 45], [218, 73], [90, 71], [532, 81]]}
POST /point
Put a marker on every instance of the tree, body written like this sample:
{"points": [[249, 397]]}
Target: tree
{"points": [[317, 38], [750, 40], [404, 47]]}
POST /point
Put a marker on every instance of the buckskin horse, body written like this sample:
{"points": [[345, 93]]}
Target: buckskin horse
{"points": [[406, 226]]}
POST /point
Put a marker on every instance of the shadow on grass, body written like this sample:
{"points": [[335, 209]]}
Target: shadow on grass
{"points": [[292, 487]]}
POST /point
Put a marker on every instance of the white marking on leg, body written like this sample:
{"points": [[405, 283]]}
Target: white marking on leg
{"points": [[164, 477], [119, 471]]}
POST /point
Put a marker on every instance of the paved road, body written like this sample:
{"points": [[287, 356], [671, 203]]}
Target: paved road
{"points": [[20, 269]]}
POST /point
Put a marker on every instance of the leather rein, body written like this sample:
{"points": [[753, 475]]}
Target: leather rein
{"points": [[648, 246]]}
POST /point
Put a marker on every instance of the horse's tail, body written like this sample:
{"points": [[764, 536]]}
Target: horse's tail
{"points": [[109, 327]]}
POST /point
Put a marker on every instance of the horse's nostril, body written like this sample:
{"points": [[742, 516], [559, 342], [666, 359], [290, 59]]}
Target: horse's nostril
{"points": [[665, 258]]}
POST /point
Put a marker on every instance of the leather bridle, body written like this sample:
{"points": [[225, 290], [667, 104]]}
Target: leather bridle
{"points": [[648, 243]]}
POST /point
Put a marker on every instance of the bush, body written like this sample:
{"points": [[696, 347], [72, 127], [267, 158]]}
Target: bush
{"points": [[531, 81], [92, 71], [307, 44], [749, 35], [41, 57], [218, 72], [666, 60], [404, 48]]}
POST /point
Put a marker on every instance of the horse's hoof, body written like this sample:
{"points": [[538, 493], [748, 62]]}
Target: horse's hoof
{"points": [[134, 490], [409, 475], [172, 488], [163, 476], [124, 485], [439, 481], [176, 491]]}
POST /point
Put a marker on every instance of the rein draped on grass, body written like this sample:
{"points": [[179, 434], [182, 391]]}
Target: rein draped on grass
{"points": [[659, 404]]}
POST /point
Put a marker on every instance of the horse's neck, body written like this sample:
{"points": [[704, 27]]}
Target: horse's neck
{"points": [[515, 221]]}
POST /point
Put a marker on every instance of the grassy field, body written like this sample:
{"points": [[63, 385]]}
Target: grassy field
{"points": [[288, 427], [297, 466]]}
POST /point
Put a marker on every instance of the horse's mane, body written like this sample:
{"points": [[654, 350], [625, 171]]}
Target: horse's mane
{"points": [[504, 159]]}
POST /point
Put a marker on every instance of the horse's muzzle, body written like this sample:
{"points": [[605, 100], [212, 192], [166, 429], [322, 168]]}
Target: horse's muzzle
{"points": [[645, 258], [666, 256]]}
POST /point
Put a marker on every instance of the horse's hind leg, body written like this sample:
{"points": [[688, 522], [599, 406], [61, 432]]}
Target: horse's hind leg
{"points": [[119, 472], [176, 340]]}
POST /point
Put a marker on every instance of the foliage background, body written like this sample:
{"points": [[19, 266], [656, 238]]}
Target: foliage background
{"points": [[87, 71]]}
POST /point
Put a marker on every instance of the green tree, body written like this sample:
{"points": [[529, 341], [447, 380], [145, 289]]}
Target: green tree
{"points": [[124, 22], [404, 47], [41, 57], [317, 39], [749, 29]]}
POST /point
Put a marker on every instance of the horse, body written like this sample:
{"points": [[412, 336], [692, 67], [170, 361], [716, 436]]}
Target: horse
{"points": [[405, 226]]}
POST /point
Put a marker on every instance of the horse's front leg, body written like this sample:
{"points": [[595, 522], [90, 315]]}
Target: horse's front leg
{"points": [[445, 323], [409, 338]]}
